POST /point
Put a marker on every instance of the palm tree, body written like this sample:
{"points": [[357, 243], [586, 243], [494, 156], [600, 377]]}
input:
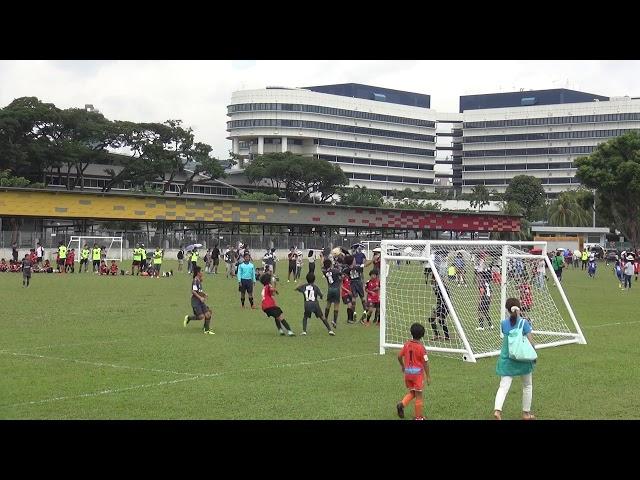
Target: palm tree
{"points": [[566, 211], [480, 197]]}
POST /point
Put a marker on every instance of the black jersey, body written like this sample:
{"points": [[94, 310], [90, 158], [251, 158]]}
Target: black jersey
{"points": [[334, 278]]}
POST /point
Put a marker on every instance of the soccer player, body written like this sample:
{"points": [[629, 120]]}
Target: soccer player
{"points": [[143, 258], [298, 265], [485, 300], [215, 258], [39, 253], [591, 269], [459, 264], [3, 265], [618, 271], [312, 294], [200, 310], [137, 257], [180, 258], [113, 269], [84, 258], [345, 294], [440, 311], [270, 308], [357, 289], [334, 284], [104, 270], [194, 258], [373, 297], [69, 264], [246, 277], [62, 257], [292, 256], [558, 265], [95, 257], [414, 363], [312, 261], [157, 261], [26, 270]]}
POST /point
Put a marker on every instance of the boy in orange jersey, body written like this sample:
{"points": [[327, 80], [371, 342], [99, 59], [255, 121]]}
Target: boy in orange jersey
{"points": [[415, 366]]}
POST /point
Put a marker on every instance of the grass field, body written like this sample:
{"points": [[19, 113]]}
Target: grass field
{"points": [[88, 347]]}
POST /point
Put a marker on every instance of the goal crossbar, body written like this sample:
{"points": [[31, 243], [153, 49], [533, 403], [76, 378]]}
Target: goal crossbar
{"points": [[113, 246]]}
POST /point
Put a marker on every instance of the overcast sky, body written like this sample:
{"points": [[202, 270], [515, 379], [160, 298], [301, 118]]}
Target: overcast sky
{"points": [[198, 91]]}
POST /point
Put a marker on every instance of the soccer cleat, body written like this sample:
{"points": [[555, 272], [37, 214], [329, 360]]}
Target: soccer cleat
{"points": [[400, 409], [303, 333], [281, 332], [497, 414], [291, 334], [419, 418], [334, 324], [528, 416], [186, 320], [208, 332], [332, 333], [479, 328], [253, 307]]}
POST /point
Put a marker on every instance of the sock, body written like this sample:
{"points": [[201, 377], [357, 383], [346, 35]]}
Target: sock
{"points": [[278, 324], [324, 320], [304, 323], [407, 399], [432, 321], [251, 301], [326, 312], [368, 316], [206, 324], [285, 324], [445, 329], [419, 404], [242, 301], [191, 318], [335, 317], [350, 314]]}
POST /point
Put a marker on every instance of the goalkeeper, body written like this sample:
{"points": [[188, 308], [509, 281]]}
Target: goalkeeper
{"points": [[440, 311]]}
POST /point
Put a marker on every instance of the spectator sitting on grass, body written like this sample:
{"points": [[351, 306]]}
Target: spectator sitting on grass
{"points": [[3, 265]]}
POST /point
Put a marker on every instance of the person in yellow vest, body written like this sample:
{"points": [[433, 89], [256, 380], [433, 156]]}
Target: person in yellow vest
{"points": [[95, 256], [157, 261], [62, 257], [143, 258], [194, 259], [136, 260], [84, 257], [585, 257]]}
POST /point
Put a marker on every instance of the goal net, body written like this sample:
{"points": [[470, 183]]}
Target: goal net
{"points": [[111, 246], [458, 289]]}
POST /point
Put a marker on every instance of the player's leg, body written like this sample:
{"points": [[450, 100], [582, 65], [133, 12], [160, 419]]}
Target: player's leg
{"points": [[336, 312], [377, 317], [242, 291], [285, 324], [318, 313], [249, 288], [434, 327], [501, 395], [527, 395], [305, 320], [370, 311], [207, 321], [419, 405], [443, 324]]}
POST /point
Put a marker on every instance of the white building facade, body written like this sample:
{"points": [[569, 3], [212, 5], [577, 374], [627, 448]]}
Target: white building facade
{"points": [[542, 141], [379, 145]]}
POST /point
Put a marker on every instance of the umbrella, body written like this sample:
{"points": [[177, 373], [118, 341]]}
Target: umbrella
{"points": [[377, 250], [191, 247]]}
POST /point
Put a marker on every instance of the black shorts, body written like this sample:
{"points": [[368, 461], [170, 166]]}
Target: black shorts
{"points": [[441, 311], [83, 260], [157, 266], [216, 261], [60, 261], [26, 275], [96, 263], [136, 263], [199, 308], [274, 312], [292, 267], [246, 286], [356, 289], [347, 300], [312, 308], [374, 305], [333, 295]]}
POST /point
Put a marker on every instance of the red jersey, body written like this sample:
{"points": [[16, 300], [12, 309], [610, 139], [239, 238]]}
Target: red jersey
{"points": [[33, 257], [415, 356], [345, 290], [373, 290], [70, 258], [267, 297], [104, 269], [526, 298], [114, 268]]}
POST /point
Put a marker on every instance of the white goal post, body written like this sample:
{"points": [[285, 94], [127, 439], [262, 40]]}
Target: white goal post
{"points": [[457, 290], [112, 246]]}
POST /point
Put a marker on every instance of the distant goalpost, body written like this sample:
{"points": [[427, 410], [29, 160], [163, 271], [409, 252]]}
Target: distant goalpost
{"points": [[471, 281], [112, 245]]}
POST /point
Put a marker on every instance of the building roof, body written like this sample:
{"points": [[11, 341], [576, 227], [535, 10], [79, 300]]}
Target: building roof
{"points": [[370, 92], [569, 230], [526, 98]]}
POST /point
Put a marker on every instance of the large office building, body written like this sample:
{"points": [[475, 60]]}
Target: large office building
{"points": [[538, 133], [382, 139], [386, 139]]}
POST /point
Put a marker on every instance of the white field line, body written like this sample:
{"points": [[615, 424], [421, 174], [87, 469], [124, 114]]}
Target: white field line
{"points": [[611, 324], [169, 382]]}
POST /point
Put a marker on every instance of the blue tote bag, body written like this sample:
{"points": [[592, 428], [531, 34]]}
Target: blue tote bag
{"points": [[520, 349]]}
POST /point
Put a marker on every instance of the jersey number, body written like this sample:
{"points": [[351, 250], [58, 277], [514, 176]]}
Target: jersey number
{"points": [[310, 294]]}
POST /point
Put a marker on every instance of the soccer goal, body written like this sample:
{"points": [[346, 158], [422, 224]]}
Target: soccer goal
{"points": [[369, 245], [112, 246], [458, 289]]}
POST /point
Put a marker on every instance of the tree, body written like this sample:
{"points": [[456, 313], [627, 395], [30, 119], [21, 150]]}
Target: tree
{"points": [[360, 197], [480, 197], [514, 209], [527, 192], [296, 177], [566, 211], [613, 169]]}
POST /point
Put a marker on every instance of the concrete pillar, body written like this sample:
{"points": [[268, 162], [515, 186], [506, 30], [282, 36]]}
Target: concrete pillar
{"points": [[260, 145], [284, 144], [236, 145]]}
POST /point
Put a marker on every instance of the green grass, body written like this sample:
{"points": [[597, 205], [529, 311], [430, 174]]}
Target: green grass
{"points": [[88, 347]]}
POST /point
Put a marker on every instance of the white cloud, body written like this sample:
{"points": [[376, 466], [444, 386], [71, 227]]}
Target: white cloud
{"points": [[199, 91]]}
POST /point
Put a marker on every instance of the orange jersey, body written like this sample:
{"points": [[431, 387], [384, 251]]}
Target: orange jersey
{"points": [[415, 356]]}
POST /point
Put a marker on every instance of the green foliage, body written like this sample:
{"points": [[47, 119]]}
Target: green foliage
{"points": [[259, 197], [527, 191], [567, 211], [613, 169], [297, 177], [413, 205], [480, 197], [360, 197], [7, 180]]}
